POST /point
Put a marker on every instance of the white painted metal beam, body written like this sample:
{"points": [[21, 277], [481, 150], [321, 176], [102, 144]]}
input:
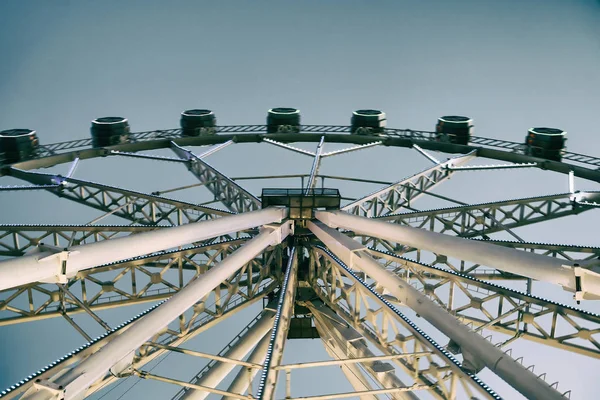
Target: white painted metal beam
{"points": [[237, 352], [477, 351], [117, 355], [242, 380], [333, 328], [399, 194], [572, 277], [285, 310], [58, 265]]}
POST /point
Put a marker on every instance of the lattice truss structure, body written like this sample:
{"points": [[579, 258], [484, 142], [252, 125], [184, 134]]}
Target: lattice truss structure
{"points": [[404, 301]]}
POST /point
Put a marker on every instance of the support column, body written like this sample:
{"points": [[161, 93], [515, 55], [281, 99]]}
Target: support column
{"points": [[56, 265], [117, 355], [477, 352], [585, 283]]}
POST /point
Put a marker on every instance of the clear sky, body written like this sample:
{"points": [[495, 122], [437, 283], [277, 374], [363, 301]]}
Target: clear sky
{"points": [[508, 64]]}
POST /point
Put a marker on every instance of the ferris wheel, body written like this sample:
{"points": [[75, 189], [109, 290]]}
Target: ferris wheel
{"points": [[403, 299]]}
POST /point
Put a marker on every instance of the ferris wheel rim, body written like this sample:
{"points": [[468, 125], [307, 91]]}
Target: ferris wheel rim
{"points": [[256, 134]]}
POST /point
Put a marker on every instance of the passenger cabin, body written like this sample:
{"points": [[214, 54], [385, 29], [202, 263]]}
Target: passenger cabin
{"points": [[454, 129], [548, 143], [198, 122], [109, 131], [283, 120], [18, 145], [367, 122]]}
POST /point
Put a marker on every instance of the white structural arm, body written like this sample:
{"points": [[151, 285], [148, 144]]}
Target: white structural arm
{"points": [[476, 350], [57, 265], [242, 380], [574, 278], [117, 355], [237, 352]]}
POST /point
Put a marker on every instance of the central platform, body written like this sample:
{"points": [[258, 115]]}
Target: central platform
{"points": [[302, 202]]}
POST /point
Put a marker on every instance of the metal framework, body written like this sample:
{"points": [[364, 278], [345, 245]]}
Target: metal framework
{"points": [[356, 288]]}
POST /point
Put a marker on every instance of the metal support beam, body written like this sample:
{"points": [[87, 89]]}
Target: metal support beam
{"points": [[352, 372], [426, 155], [86, 308], [498, 166], [315, 167], [498, 308], [472, 220], [571, 276], [331, 327], [73, 167], [289, 147], [351, 149], [138, 207], [17, 239], [376, 319], [242, 380], [143, 156], [285, 310], [232, 195], [216, 148], [477, 351], [117, 355], [238, 351], [58, 265], [400, 194]]}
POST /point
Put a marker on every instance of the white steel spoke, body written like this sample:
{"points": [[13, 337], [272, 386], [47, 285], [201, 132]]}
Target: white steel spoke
{"points": [[217, 372], [351, 149], [478, 352], [81, 377], [143, 156], [573, 277], [138, 207], [500, 308], [285, 310], [315, 167], [289, 147], [216, 148], [492, 167], [426, 155], [400, 194], [242, 380], [58, 265], [473, 220]]}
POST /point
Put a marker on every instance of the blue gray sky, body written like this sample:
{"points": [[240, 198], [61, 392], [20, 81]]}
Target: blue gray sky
{"points": [[510, 65]]}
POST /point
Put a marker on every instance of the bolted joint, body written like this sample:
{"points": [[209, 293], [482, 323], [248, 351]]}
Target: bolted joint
{"points": [[57, 391]]}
